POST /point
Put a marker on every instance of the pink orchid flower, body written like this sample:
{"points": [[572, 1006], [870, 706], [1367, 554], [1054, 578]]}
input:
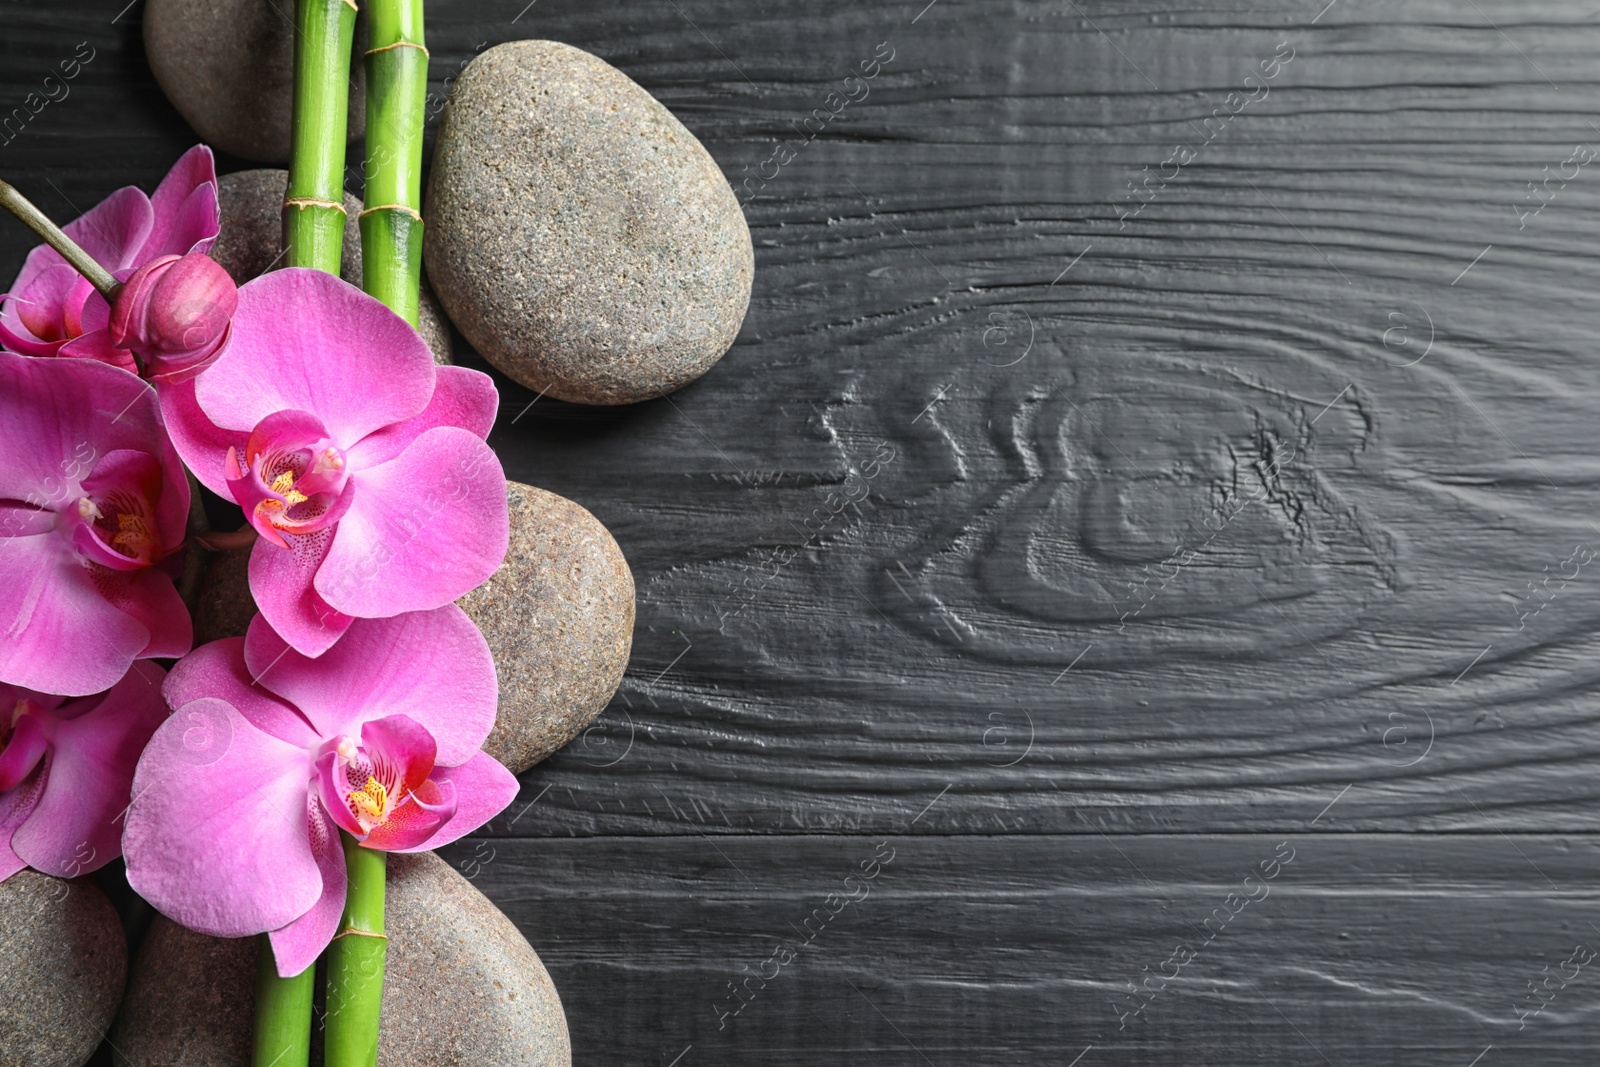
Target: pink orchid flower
{"points": [[66, 772], [239, 797], [52, 311], [361, 465], [93, 500]]}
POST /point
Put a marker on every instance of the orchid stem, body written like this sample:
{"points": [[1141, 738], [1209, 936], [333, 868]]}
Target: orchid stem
{"points": [[313, 206], [283, 1013], [397, 88], [40, 223], [356, 960]]}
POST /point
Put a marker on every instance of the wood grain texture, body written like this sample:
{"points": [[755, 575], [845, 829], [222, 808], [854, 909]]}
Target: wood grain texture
{"points": [[1082, 550], [1361, 949]]}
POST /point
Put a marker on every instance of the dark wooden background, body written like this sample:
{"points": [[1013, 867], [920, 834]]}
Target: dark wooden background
{"points": [[1262, 515]]}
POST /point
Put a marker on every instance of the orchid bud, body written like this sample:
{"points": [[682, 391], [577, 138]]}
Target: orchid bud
{"points": [[175, 313]]}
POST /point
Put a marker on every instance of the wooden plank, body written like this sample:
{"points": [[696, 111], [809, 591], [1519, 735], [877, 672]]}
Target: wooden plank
{"points": [[1287, 406], [1209, 544], [1358, 949]]}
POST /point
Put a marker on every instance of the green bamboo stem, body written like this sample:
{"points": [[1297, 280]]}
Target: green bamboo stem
{"points": [[356, 960], [397, 89], [283, 1013], [56, 238], [313, 230], [391, 270], [313, 207]]}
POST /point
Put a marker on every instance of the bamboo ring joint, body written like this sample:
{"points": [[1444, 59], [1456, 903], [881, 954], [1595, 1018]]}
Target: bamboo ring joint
{"points": [[312, 201], [398, 44], [406, 208]]}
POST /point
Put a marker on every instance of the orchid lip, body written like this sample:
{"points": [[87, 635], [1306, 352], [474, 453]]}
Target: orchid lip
{"points": [[378, 787], [22, 745], [114, 522], [292, 479]]}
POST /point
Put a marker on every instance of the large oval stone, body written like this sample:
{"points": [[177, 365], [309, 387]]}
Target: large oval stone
{"points": [[65, 963], [251, 243], [558, 616], [463, 986], [228, 67], [577, 234]]}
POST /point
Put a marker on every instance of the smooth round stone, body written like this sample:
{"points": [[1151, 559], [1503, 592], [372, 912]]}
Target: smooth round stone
{"points": [[190, 1000], [251, 243], [578, 235], [65, 964], [228, 67], [462, 986], [224, 607], [558, 616]]}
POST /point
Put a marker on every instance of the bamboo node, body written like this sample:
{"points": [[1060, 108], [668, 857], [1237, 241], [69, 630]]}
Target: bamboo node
{"points": [[352, 932], [398, 44], [312, 201], [406, 208]]}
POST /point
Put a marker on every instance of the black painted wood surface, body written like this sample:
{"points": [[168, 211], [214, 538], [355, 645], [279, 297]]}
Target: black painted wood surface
{"points": [[1161, 431]]}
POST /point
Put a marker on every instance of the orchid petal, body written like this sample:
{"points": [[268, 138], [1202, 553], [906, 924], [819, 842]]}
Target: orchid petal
{"points": [[49, 293], [402, 740], [218, 670], [281, 582], [98, 346], [133, 480], [40, 304], [77, 826], [15, 807], [222, 846], [112, 231], [483, 789], [292, 479], [149, 597], [58, 633], [15, 337], [433, 666], [297, 945], [24, 520], [23, 752], [305, 341], [423, 529], [330, 790], [461, 397], [184, 213], [58, 417], [202, 444], [93, 312]]}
